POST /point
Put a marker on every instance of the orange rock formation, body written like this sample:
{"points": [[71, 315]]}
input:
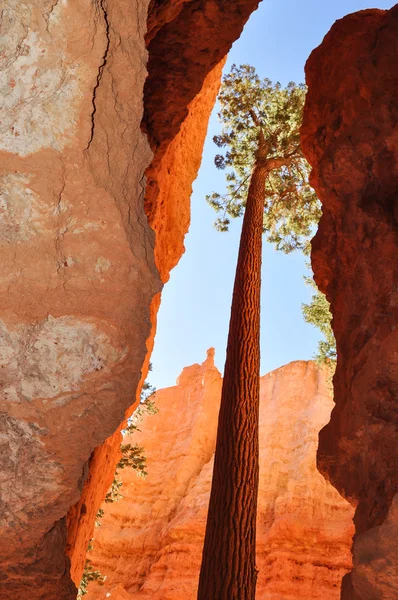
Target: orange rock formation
{"points": [[149, 545], [350, 137], [170, 220], [82, 268]]}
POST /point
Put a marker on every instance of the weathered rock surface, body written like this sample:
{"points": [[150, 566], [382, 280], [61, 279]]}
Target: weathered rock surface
{"points": [[170, 221], [81, 267], [78, 271], [350, 138], [149, 544]]}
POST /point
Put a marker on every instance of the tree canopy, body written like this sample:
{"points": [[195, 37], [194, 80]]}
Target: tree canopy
{"points": [[249, 107], [253, 108]]}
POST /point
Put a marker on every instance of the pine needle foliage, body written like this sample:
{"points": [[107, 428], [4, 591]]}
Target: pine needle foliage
{"points": [[113, 494], [251, 107], [133, 456], [317, 312], [98, 517], [146, 407]]}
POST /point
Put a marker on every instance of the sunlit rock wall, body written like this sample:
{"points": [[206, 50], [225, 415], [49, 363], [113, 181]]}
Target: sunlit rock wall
{"points": [[176, 172], [149, 544], [350, 138]]}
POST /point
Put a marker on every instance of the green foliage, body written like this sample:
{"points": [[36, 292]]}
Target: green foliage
{"points": [[147, 396], [145, 407], [317, 312], [254, 108], [147, 391], [113, 494], [98, 517], [133, 456], [89, 574]]}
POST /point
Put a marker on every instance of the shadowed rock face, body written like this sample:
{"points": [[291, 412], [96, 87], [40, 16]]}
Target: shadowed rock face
{"points": [[82, 268], [150, 543], [187, 41], [350, 138]]}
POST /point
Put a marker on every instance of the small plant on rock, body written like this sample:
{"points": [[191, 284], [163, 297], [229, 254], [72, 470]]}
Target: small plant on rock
{"points": [[317, 312], [99, 516], [133, 456], [89, 574], [113, 494]]}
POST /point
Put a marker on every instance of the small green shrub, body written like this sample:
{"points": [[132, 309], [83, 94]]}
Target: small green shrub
{"points": [[98, 517], [133, 456], [114, 494], [317, 312], [89, 574]]}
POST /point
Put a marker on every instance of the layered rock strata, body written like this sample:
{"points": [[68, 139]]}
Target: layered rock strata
{"points": [[350, 138], [81, 267], [149, 544]]}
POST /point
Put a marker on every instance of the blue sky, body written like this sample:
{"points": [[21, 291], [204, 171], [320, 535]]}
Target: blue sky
{"points": [[195, 309]]}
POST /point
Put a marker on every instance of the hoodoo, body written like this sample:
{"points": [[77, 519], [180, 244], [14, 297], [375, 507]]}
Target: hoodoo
{"points": [[149, 544]]}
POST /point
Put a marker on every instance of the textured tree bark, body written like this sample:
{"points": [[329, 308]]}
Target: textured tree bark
{"points": [[228, 570]]}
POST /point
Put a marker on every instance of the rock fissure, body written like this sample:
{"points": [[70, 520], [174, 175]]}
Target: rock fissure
{"points": [[59, 209], [47, 14], [101, 5]]}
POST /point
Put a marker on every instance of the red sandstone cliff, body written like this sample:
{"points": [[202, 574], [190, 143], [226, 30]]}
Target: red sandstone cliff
{"points": [[150, 543], [350, 138], [81, 267]]}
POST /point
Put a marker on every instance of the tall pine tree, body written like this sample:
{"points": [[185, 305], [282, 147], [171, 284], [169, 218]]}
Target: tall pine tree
{"points": [[267, 180]]}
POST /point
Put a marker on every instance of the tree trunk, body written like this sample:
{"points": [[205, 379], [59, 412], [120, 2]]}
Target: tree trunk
{"points": [[228, 570]]}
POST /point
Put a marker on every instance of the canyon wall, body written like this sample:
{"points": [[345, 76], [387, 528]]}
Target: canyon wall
{"points": [[78, 270], [350, 138], [82, 268], [149, 543]]}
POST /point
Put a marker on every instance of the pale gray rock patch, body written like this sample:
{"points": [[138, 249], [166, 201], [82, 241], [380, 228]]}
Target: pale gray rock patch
{"points": [[52, 357], [22, 483], [39, 86], [22, 213]]}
